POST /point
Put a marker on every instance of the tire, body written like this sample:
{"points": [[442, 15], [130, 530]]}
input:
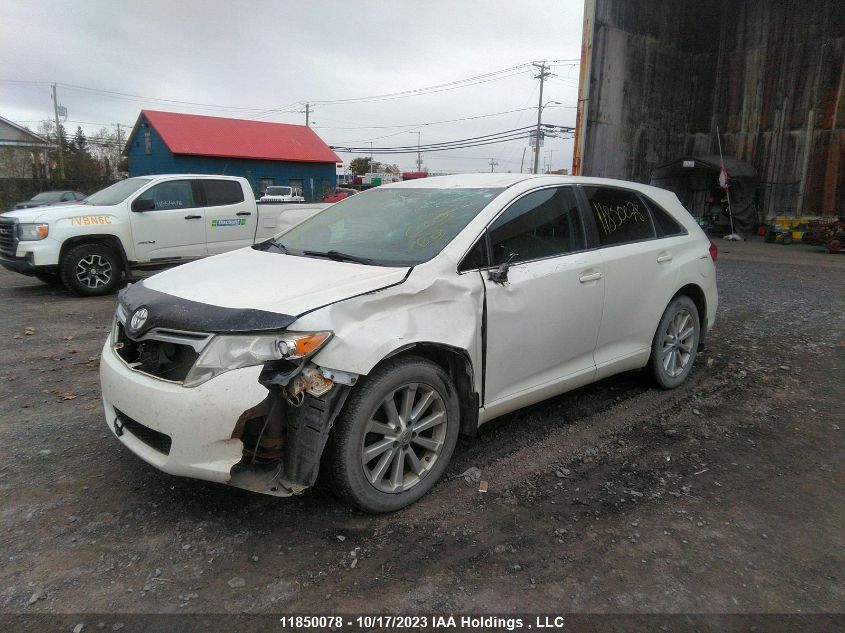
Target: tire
{"points": [[366, 423], [668, 350], [51, 279], [90, 270]]}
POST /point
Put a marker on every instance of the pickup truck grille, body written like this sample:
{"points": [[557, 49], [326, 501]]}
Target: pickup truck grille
{"points": [[8, 237]]}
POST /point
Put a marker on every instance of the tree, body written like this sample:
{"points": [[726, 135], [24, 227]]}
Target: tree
{"points": [[80, 143], [363, 165]]}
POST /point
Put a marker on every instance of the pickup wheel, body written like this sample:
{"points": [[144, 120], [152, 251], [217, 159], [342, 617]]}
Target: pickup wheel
{"points": [[395, 435], [90, 270]]}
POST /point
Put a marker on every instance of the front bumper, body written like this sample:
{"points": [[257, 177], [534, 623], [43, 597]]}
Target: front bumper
{"points": [[23, 265], [198, 421]]}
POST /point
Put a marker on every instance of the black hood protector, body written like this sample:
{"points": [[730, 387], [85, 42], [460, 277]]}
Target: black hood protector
{"points": [[171, 312]]}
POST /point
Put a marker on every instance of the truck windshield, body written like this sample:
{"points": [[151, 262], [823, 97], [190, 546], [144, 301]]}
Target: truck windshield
{"points": [[116, 193], [388, 227], [277, 191]]}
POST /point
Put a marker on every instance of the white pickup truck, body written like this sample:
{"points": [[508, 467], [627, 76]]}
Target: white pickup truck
{"points": [[274, 193], [142, 222]]}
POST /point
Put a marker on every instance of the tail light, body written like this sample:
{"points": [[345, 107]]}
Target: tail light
{"points": [[714, 251]]}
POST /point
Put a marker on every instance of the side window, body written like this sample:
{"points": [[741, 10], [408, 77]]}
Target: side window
{"points": [[476, 257], [665, 224], [220, 192], [148, 143], [67, 197], [620, 215], [541, 224], [174, 194]]}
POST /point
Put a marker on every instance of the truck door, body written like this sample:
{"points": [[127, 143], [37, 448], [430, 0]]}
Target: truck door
{"points": [[167, 222], [229, 217]]}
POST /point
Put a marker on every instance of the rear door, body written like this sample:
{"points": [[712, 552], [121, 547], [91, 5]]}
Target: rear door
{"points": [[640, 277], [543, 322], [229, 217], [173, 228]]}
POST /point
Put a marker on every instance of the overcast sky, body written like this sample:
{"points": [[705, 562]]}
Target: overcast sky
{"points": [[243, 59]]}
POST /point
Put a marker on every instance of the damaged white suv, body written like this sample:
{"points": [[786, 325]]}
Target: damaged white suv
{"points": [[363, 341]]}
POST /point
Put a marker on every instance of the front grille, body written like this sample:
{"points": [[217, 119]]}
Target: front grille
{"points": [[168, 359], [8, 237], [152, 438]]}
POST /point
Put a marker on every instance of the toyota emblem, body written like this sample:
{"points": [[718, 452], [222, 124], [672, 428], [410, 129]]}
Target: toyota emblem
{"points": [[139, 318]]}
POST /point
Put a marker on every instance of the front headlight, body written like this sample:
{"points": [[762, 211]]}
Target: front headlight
{"points": [[32, 232], [225, 353]]}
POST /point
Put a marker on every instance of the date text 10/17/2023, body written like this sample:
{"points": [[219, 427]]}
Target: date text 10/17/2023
{"points": [[427, 622]]}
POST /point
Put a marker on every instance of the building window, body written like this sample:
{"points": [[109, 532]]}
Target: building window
{"points": [[148, 143], [263, 183]]}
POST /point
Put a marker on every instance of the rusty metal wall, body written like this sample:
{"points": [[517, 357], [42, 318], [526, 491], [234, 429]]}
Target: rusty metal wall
{"points": [[663, 74]]}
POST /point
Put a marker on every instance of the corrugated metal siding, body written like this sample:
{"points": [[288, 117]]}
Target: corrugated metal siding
{"points": [[664, 73], [162, 161]]}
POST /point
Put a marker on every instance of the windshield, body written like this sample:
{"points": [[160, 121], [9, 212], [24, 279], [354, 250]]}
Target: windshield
{"points": [[389, 227], [116, 193], [48, 196], [277, 191]]}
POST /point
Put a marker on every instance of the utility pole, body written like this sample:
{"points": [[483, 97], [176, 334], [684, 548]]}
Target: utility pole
{"points": [[307, 114], [493, 163], [58, 136], [419, 155], [544, 72]]}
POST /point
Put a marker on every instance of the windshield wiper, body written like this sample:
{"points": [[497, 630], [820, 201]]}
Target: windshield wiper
{"points": [[339, 257], [267, 244]]}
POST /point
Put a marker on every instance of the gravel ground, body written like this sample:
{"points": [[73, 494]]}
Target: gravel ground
{"points": [[724, 496]]}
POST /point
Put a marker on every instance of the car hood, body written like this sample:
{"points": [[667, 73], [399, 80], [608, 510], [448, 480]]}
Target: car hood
{"points": [[48, 212], [249, 279]]}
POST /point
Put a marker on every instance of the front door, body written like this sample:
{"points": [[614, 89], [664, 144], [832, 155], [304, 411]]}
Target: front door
{"points": [[173, 228], [230, 220], [543, 322]]}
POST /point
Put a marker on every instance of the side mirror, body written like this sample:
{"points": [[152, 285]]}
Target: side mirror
{"points": [[500, 275], [143, 204]]}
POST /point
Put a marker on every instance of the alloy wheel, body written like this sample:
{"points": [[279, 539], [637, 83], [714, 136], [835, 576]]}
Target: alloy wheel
{"points": [[404, 438], [94, 271], [677, 345]]}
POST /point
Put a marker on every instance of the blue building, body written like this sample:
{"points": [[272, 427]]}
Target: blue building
{"points": [[263, 153]]}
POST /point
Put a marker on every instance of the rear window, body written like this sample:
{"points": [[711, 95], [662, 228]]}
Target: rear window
{"points": [[665, 224], [621, 216], [221, 192]]}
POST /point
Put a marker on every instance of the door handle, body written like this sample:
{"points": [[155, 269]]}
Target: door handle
{"points": [[590, 277], [244, 213], [666, 257], [193, 217]]}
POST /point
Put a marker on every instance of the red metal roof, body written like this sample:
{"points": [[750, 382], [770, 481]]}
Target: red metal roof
{"points": [[236, 138]]}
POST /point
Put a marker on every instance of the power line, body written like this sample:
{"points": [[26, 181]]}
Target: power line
{"points": [[451, 85], [475, 141], [386, 127]]}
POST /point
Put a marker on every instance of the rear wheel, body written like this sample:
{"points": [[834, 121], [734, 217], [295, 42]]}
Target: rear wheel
{"points": [[675, 344], [395, 436], [90, 270]]}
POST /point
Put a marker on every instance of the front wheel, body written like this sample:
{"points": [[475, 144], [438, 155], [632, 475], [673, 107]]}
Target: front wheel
{"points": [[395, 436], [675, 343], [90, 270]]}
